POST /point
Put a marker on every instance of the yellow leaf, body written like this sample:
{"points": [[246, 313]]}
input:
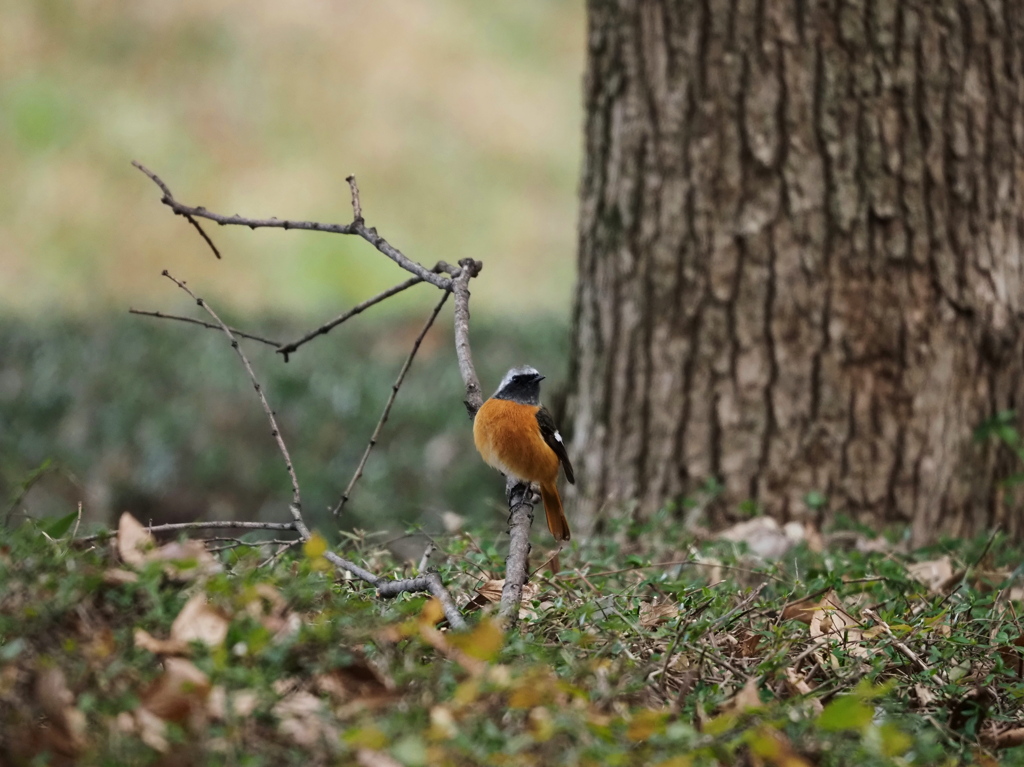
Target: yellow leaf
{"points": [[720, 725], [467, 692], [432, 613], [315, 547], [645, 723], [483, 642], [366, 737], [541, 725]]}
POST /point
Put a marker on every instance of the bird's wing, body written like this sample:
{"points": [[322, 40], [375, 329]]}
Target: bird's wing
{"points": [[554, 440]]}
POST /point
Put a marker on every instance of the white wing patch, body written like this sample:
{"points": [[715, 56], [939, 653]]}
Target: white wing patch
{"points": [[558, 436]]}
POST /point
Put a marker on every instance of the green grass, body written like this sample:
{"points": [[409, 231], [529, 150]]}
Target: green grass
{"points": [[588, 678]]}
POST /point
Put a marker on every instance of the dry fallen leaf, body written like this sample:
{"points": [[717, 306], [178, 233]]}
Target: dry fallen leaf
{"points": [[199, 621], [152, 730], [763, 537], [303, 718], [358, 683], [652, 614], [146, 641], [118, 576], [137, 547], [935, 573], [747, 699], [491, 592], [241, 703], [797, 684], [367, 757], [58, 703], [179, 694], [134, 541], [185, 560], [830, 621]]}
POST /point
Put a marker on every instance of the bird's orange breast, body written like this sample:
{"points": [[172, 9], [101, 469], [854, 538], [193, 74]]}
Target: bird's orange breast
{"points": [[508, 437]]}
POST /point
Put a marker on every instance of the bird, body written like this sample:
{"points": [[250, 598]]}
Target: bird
{"points": [[516, 435]]}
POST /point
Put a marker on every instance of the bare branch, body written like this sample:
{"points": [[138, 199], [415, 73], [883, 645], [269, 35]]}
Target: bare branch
{"points": [[357, 227], [431, 581], [460, 287], [517, 563], [387, 407], [296, 505], [288, 348], [217, 525], [241, 333], [169, 199], [434, 586]]}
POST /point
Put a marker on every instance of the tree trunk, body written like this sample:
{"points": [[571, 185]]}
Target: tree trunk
{"points": [[800, 262]]}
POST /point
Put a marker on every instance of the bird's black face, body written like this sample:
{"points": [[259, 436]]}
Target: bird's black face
{"points": [[521, 385]]}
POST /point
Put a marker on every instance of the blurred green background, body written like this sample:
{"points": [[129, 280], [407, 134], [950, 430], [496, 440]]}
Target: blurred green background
{"points": [[461, 121]]}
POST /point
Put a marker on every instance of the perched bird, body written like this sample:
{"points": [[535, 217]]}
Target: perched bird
{"points": [[516, 435]]}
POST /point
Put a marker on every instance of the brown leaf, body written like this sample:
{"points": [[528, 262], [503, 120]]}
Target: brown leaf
{"points": [[152, 730], [134, 541], [366, 757], [179, 693], [241, 703], [652, 614], [797, 685], [934, 573], [137, 547], [185, 560], [491, 591], [199, 621], [146, 641], [1005, 739], [357, 682], [747, 699], [118, 576], [763, 537], [830, 621], [1012, 656], [303, 718], [58, 703]]}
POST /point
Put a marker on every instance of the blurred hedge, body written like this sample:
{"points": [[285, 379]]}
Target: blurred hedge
{"points": [[159, 418]]}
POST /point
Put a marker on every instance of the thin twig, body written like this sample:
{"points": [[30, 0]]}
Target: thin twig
{"points": [[357, 227], [391, 401], [210, 325], [288, 348], [226, 544], [912, 656], [215, 525], [281, 551]]}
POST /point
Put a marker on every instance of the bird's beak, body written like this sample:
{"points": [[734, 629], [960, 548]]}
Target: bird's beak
{"points": [[538, 378]]}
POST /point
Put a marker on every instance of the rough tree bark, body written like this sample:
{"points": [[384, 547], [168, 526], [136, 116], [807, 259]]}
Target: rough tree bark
{"points": [[800, 256]]}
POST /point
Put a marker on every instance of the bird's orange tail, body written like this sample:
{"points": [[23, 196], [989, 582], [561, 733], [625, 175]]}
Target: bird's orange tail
{"points": [[557, 523]]}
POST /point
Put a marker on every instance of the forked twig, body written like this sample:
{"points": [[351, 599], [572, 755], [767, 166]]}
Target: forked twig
{"points": [[431, 582], [288, 348], [211, 326]]}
